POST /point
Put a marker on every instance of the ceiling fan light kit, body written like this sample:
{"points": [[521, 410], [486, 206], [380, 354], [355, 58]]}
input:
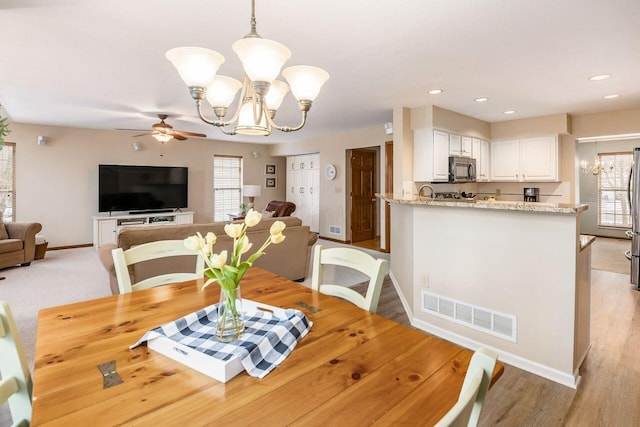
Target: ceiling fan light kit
{"points": [[260, 93]]}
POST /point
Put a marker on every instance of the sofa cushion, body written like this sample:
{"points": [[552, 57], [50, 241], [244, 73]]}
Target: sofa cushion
{"points": [[10, 245], [267, 214], [3, 231]]}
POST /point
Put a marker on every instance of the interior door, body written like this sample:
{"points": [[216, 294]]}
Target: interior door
{"points": [[388, 188], [363, 199]]}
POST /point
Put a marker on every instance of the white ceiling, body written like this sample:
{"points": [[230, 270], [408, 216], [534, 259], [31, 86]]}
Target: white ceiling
{"points": [[100, 64]]}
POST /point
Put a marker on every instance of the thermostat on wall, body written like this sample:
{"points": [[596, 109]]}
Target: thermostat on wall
{"points": [[330, 172]]}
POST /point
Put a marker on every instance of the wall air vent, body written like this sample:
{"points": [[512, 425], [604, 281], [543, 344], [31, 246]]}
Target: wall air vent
{"points": [[479, 318], [335, 229]]}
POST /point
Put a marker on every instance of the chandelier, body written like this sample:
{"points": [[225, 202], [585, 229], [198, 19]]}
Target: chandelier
{"points": [[261, 94], [597, 168]]}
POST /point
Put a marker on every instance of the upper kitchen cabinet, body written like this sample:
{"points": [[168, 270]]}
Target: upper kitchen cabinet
{"points": [[460, 145], [481, 153], [430, 155], [530, 159]]}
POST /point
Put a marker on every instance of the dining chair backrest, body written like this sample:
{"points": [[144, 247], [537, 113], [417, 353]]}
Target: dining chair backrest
{"points": [[153, 250], [466, 412], [16, 384], [358, 260]]}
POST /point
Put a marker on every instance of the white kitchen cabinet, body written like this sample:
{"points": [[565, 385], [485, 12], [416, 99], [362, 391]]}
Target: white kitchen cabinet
{"points": [[430, 155], [528, 159], [460, 145], [303, 188], [481, 153]]}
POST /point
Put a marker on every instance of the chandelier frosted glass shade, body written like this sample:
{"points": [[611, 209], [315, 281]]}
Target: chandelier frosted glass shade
{"points": [[262, 59], [305, 81], [247, 124], [197, 66], [277, 92], [161, 137], [222, 91]]}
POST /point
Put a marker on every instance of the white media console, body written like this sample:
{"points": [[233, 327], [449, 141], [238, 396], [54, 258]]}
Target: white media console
{"points": [[106, 228]]}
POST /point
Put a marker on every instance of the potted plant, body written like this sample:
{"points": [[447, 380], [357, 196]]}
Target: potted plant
{"points": [[4, 131], [243, 208]]}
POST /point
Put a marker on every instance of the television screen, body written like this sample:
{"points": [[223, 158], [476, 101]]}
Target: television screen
{"points": [[140, 188]]}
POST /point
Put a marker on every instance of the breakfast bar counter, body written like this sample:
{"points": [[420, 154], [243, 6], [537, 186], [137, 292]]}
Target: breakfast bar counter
{"points": [[511, 276]]}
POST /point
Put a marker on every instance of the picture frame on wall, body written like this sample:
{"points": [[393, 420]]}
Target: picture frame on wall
{"points": [[270, 169], [270, 182]]}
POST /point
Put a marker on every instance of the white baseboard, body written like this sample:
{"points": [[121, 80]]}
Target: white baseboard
{"points": [[405, 304]]}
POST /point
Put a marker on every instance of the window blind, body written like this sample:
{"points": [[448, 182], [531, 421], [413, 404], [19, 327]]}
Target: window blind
{"points": [[8, 181], [227, 186], [613, 207]]}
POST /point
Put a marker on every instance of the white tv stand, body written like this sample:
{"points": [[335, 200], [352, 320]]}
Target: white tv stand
{"points": [[106, 228]]}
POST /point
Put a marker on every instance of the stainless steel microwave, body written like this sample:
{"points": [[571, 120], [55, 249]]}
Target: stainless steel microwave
{"points": [[462, 169]]}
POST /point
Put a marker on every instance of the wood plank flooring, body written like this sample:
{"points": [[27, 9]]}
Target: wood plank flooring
{"points": [[609, 394]]}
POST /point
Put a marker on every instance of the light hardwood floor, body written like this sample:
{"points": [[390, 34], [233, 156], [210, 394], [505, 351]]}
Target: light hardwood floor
{"points": [[609, 394]]}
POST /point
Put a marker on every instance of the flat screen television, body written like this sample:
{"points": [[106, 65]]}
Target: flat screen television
{"points": [[142, 188]]}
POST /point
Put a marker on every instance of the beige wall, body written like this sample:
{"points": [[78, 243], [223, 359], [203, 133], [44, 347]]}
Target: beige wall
{"points": [[532, 127], [459, 123], [333, 149], [57, 182], [620, 122]]}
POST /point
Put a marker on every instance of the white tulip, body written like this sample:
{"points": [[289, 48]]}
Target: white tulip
{"points": [[192, 243], [245, 245], [219, 260], [233, 230], [277, 227], [277, 238], [252, 218]]}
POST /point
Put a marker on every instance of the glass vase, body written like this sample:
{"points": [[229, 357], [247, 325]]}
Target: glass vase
{"points": [[230, 324]]}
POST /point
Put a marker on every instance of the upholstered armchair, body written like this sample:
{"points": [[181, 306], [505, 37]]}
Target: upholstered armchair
{"points": [[19, 244], [280, 208]]}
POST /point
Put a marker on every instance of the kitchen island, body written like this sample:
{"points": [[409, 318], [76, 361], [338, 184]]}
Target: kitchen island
{"points": [[512, 276]]}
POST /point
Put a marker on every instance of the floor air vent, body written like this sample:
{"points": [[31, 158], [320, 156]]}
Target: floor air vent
{"points": [[479, 318]]}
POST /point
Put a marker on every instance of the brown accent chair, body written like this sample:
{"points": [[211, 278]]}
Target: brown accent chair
{"points": [[280, 208], [20, 247]]}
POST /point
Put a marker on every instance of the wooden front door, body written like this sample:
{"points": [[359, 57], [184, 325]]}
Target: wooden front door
{"points": [[363, 199]]}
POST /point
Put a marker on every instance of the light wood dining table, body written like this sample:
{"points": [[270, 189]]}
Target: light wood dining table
{"points": [[353, 368]]}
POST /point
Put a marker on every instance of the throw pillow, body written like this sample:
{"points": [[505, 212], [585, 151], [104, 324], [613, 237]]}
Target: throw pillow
{"points": [[267, 214]]}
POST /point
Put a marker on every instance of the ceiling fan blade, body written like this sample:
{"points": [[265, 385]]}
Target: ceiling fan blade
{"points": [[184, 132], [142, 134], [179, 137], [136, 130]]}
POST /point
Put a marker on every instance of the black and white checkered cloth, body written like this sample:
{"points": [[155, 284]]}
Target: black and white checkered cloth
{"points": [[268, 339]]}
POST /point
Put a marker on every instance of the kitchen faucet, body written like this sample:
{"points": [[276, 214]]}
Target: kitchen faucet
{"points": [[423, 187]]}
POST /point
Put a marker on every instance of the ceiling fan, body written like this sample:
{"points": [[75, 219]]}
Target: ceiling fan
{"points": [[164, 132]]}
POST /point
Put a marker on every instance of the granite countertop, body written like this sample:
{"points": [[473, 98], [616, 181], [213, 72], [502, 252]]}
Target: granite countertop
{"points": [[557, 208], [586, 240]]}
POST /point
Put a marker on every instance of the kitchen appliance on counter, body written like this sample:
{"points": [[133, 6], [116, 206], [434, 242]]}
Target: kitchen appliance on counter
{"points": [[633, 194], [531, 194], [462, 169]]}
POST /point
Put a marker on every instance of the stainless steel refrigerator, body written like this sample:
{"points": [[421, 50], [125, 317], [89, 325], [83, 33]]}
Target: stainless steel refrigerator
{"points": [[633, 196]]}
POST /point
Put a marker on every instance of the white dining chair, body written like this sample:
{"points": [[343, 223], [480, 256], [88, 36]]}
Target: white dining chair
{"points": [[16, 384], [355, 259], [466, 411], [149, 251]]}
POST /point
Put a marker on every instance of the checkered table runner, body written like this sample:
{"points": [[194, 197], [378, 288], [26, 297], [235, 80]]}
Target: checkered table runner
{"points": [[268, 339]]}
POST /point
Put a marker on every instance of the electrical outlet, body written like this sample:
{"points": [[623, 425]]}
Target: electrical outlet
{"points": [[498, 192]]}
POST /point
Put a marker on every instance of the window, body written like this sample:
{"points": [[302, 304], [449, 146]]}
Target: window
{"points": [[8, 181], [227, 186], [613, 207]]}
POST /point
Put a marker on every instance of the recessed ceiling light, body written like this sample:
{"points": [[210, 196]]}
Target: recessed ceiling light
{"points": [[599, 77], [481, 99], [435, 91], [614, 95], [510, 112]]}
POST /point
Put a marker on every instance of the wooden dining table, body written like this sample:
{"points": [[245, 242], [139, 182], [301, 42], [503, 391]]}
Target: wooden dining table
{"points": [[353, 367]]}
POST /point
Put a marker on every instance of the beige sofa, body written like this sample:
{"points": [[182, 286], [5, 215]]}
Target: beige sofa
{"points": [[20, 246], [289, 259]]}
